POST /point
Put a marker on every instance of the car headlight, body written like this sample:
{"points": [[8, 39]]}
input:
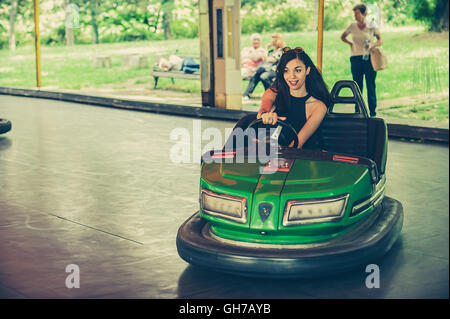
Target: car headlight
{"points": [[309, 211], [225, 206]]}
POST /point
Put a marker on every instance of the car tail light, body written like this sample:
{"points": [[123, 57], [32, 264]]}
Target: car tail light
{"points": [[309, 211], [225, 206]]}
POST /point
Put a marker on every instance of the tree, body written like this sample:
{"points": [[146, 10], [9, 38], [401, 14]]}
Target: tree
{"points": [[69, 26], [18, 10], [12, 22], [440, 21], [93, 8], [433, 13], [167, 7]]}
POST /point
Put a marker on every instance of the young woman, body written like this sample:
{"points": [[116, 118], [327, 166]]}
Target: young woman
{"points": [[299, 95], [362, 36]]}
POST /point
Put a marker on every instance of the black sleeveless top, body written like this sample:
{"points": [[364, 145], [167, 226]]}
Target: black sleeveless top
{"points": [[297, 118]]}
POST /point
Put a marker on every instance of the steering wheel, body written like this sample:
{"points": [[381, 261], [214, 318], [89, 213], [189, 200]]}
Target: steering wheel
{"points": [[283, 135]]}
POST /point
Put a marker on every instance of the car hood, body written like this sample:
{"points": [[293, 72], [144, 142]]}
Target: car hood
{"points": [[304, 179], [304, 175]]}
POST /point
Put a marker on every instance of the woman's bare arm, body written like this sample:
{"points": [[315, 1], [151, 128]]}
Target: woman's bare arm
{"points": [[344, 38], [378, 43], [312, 124]]}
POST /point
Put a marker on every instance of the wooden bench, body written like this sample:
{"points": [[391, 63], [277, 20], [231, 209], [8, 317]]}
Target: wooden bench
{"points": [[174, 75], [158, 73]]}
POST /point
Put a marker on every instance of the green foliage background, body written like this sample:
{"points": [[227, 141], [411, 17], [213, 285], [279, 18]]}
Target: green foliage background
{"points": [[131, 20]]}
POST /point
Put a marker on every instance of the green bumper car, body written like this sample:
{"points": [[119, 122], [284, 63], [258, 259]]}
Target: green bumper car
{"points": [[297, 213]]}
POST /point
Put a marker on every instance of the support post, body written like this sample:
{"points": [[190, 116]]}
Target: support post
{"points": [[37, 43], [219, 33], [206, 69], [320, 35]]}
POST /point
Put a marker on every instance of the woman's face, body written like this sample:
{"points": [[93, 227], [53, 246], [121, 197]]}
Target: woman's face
{"points": [[274, 40], [256, 43], [294, 74], [359, 16]]}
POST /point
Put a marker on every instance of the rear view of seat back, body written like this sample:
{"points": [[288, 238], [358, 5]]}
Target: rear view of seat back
{"points": [[354, 133], [345, 135]]}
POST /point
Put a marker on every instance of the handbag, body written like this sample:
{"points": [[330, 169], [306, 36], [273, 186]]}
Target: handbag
{"points": [[378, 59]]}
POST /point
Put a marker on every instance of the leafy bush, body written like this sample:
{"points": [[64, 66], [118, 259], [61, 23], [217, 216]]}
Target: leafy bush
{"points": [[336, 16], [3, 37], [284, 19], [184, 28], [291, 19], [255, 23], [54, 37]]}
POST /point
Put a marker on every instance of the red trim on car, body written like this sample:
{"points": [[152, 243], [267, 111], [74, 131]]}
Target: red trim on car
{"points": [[347, 159], [223, 154]]}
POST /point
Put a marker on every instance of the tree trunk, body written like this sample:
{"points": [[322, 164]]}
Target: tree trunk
{"points": [[12, 22], [440, 21], [167, 18], [315, 15], [69, 25], [94, 8], [166, 24]]}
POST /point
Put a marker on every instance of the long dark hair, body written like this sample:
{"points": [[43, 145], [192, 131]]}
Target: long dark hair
{"points": [[314, 82]]}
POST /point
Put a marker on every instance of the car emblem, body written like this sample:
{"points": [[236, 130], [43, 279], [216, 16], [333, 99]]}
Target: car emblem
{"points": [[264, 210]]}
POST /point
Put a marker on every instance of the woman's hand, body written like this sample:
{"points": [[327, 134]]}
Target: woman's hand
{"points": [[375, 44], [344, 39], [271, 118]]}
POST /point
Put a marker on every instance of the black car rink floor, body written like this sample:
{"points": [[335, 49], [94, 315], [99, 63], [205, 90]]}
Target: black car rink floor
{"points": [[96, 191]]}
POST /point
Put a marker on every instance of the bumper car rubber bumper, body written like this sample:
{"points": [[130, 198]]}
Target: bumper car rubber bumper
{"points": [[362, 245], [5, 126]]}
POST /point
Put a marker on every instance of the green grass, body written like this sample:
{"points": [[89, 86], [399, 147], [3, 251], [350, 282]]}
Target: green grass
{"points": [[427, 112], [418, 65]]}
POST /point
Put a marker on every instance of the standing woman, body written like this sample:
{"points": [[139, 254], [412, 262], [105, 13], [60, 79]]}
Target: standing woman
{"points": [[362, 36]]}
